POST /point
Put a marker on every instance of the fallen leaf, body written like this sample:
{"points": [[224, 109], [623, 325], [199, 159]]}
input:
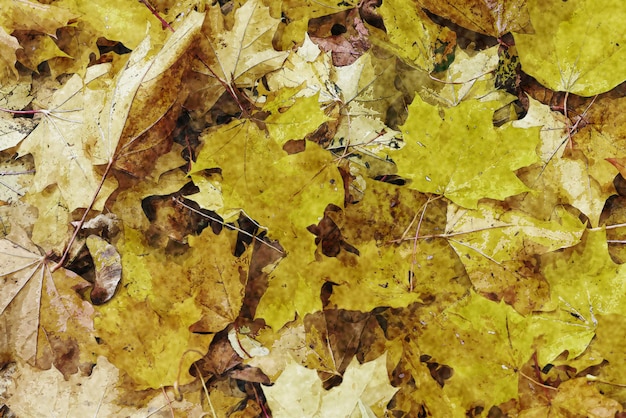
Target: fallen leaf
{"points": [[577, 46], [298, 392], [108, 269], [411, 33], [8, 47], [40, 393], [61, 337], [163, 318], [460, 155], [236, 56], [498, 249], [494, 18], [458, 337]]}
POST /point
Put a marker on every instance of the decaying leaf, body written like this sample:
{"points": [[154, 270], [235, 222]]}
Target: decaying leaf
{"points": [[374, 213], [499, 250], [493, 18], [108, 269], [41, 314]]}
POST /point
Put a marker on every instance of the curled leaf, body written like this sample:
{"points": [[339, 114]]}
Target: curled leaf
{"points": [[108, 269]]}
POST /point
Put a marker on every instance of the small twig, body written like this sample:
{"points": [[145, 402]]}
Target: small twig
{"points": [[537, 383], [209, 217], [16, 173], [45, 112], [155, 12], [169, 403], [458, 82], [258, 399], [453, 234], [595, 379], [227, 86], [607, 227], [414, 251], [95, 415], [12, 189], [177, 393], [206, 390], [84, 217]]}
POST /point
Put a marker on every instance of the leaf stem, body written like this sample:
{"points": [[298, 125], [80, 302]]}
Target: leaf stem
{"points": [[154, 11], [24, 112], [607, 227], [84, 217], [246, 233], [593, 378], [453, 234]]}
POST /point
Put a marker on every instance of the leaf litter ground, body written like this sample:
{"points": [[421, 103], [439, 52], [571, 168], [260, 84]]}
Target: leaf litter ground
{"points": [[241, 218]]}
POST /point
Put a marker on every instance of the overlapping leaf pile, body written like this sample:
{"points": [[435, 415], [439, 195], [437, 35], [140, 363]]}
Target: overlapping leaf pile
{"points": [[313, 209]]}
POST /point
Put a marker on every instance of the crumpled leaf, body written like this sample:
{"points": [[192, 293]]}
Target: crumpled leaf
{"points": [[108, 269], [577, 46], [365, 391], [578, 396], [578, 177], [460, 155]]}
